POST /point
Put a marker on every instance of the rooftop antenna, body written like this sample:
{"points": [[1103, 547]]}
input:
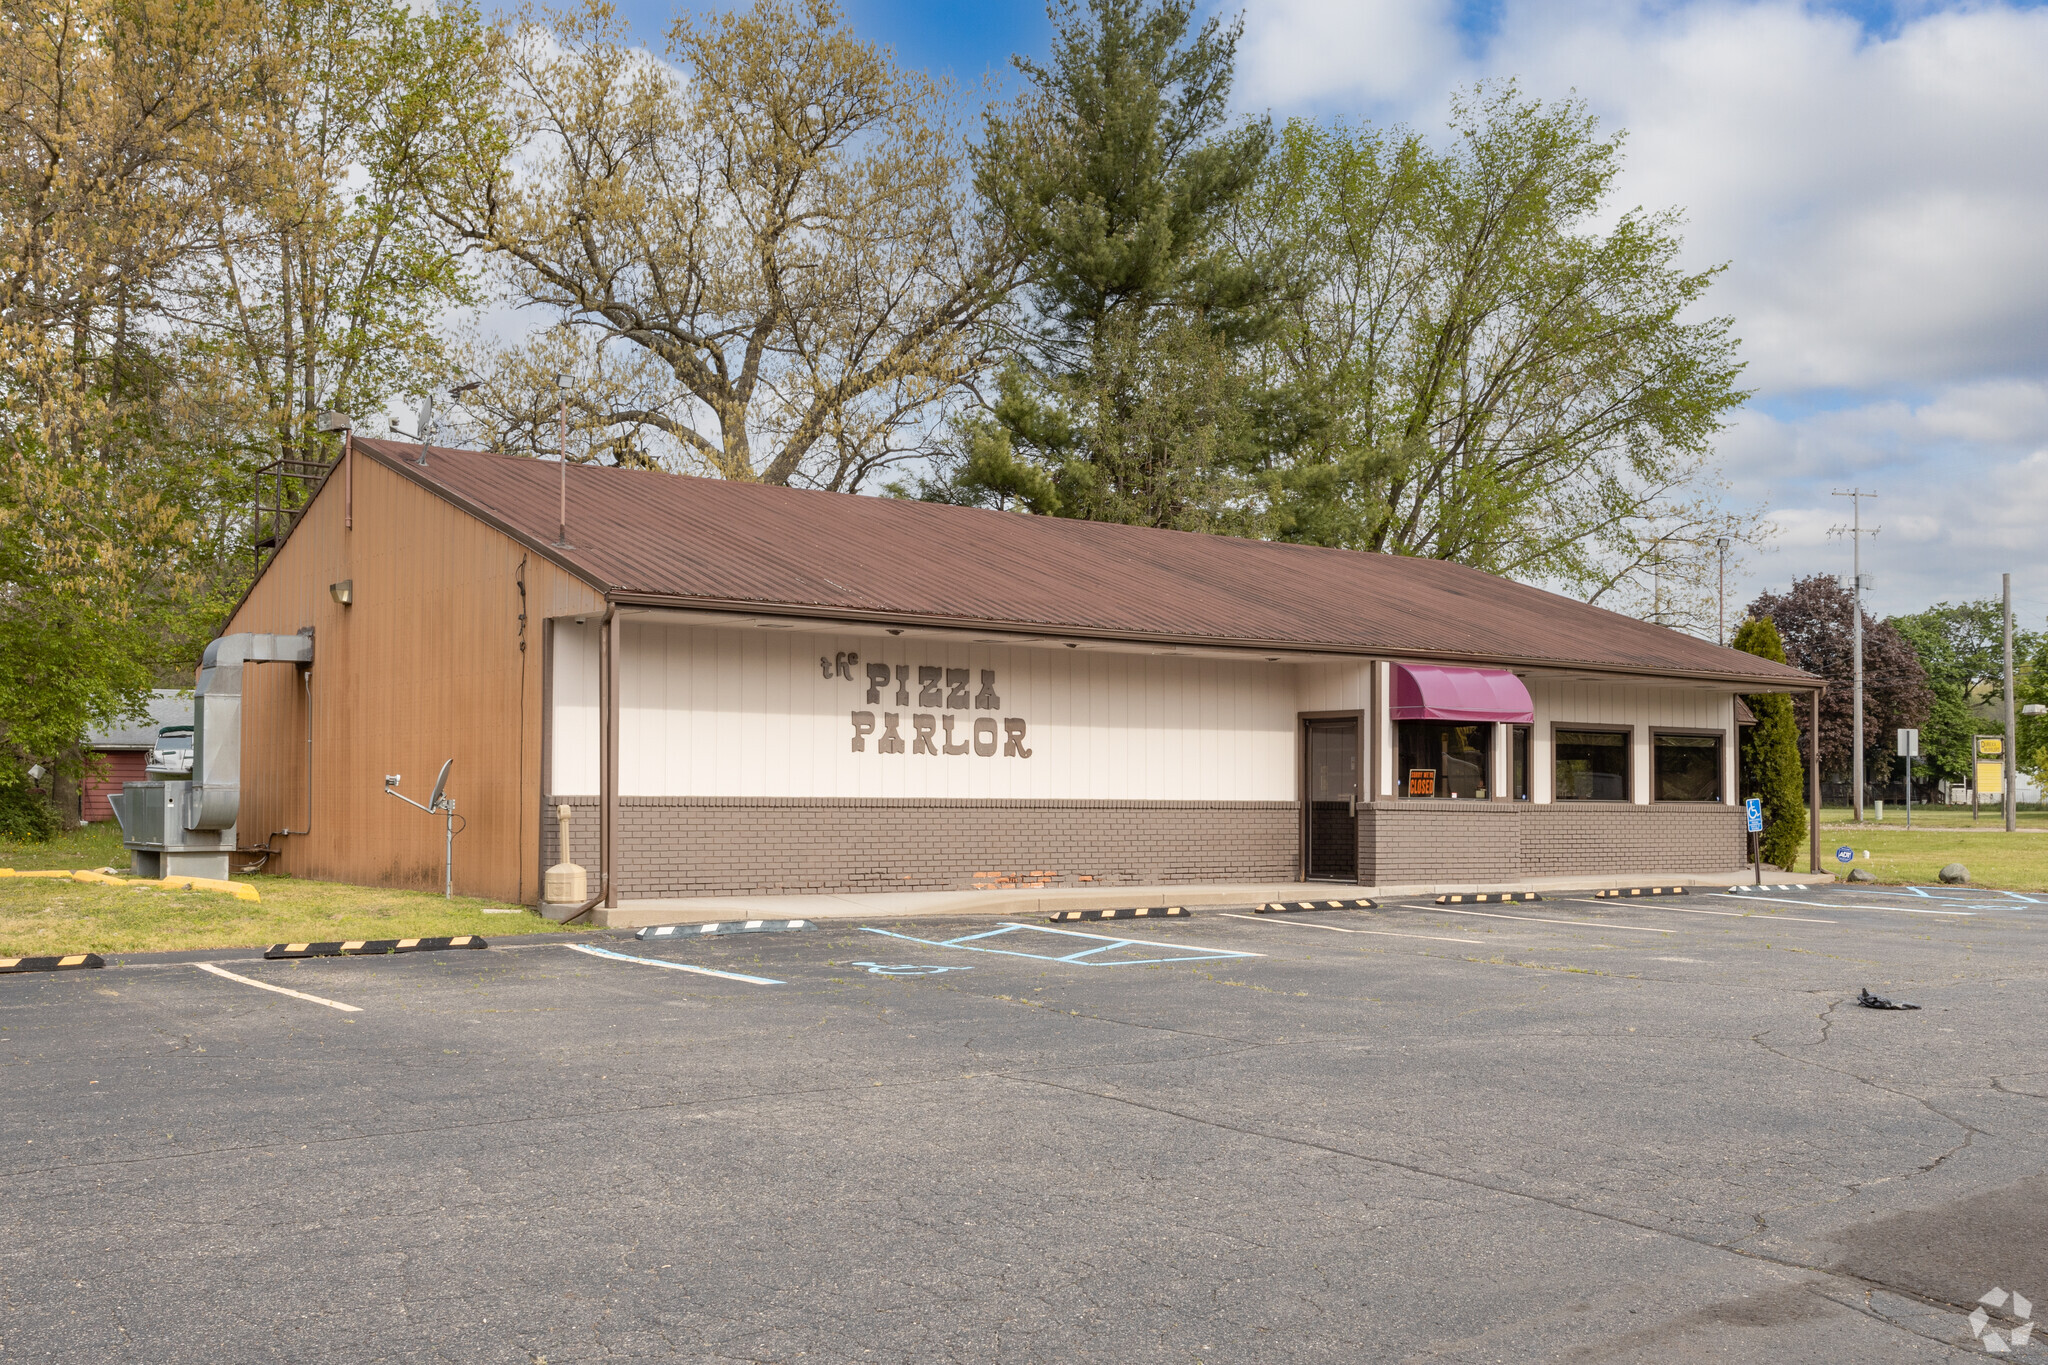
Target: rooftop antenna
{"points": [[438, 804], [426, 431], [562, 454], [426, 424]]}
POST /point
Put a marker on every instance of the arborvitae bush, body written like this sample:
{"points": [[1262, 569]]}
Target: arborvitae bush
{"points": [[1770, 753]]}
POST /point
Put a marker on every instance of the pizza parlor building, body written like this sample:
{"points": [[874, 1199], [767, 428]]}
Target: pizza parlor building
{"points": [[747, 690]]}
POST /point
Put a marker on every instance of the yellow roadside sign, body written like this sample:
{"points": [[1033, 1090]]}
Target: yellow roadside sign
{"points": [[1990, 746], [1991, 778]]}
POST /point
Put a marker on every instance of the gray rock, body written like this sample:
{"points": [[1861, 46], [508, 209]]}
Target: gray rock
{"points": [[1955, 874], [1858, 874]]}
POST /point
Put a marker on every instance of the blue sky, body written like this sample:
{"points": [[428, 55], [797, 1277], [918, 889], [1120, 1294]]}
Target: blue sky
{"points": [[1875, 175]]}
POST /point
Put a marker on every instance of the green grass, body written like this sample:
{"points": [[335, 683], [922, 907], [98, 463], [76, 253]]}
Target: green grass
{"points": [[1933, 817], [2005, 862], [41, 915]]}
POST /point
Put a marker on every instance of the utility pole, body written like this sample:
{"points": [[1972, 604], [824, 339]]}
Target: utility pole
{"points": [[2011, 733], [1856, 533], [1721, 614]]}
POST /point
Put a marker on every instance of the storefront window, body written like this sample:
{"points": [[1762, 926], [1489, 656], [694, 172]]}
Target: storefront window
{"points": [[1688, 767], [1520, 775], [1443, 759], [1592, 765]]}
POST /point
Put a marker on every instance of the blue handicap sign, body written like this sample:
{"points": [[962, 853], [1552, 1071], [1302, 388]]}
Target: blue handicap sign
{"points": [[1755, 809], [1845, 854]]}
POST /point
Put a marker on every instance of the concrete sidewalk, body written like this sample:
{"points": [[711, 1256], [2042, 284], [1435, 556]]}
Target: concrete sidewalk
{"points": [[636, 914]]}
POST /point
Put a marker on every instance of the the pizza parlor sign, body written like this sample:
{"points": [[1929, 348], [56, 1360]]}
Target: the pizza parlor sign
{"points": [[936, 710]]}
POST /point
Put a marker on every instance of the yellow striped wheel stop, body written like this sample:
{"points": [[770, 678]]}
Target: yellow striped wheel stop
{"points": [[69, 962], [1488, 898], [1296, 907], [1129, 912], [1629, 892], [368, 947]]}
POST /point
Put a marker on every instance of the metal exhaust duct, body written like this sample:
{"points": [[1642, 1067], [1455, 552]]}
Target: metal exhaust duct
{"points": [[188, 828]]}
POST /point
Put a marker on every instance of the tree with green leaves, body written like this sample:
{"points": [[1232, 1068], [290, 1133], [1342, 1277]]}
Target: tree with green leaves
{"points": [[1484, 363], [1961, 647], [1114, 177], [209, 230], [1770, 753]]}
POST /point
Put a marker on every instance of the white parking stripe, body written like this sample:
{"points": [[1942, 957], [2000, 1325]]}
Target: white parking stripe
{"points": [[281, 990], [1533, 919], [672, 966], [1844, 905], [1339, 929], [1685, 910]]}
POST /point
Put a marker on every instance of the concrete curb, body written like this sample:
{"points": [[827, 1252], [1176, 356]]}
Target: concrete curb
{"points": [[719, 927], [359, 947]]}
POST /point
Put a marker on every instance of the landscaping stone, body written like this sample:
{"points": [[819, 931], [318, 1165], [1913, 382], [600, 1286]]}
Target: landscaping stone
{"points": [[1955, 874]]}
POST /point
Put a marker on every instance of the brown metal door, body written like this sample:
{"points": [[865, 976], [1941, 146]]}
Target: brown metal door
{"points": [[1333, 793]]}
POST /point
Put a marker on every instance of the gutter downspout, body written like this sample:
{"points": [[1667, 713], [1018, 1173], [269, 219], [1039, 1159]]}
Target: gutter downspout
{"points": [[608, 834], [1813, 782]]}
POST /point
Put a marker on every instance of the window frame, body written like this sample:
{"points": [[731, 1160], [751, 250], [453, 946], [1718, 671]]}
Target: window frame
{"points": [[1486, 768], [1720, 765], [1522, 737], [1628, 770]]}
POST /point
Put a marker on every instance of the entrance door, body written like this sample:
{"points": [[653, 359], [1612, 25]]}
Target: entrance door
{"points": [[1333, 794]]}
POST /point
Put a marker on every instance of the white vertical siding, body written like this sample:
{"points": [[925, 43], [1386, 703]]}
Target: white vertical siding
{"points": [[712, 711], [573, 731]]}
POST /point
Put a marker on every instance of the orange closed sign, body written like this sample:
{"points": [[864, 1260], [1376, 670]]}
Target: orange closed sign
{"points": [[1422, 782]]}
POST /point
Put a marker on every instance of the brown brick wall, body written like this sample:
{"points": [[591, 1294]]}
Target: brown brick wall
{"points": [[732, 846], [1595, 837], [729, 846], [1441, 841]]}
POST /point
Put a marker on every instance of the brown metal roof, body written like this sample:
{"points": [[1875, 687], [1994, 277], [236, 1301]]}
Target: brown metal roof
{"points": [[642, 535]]}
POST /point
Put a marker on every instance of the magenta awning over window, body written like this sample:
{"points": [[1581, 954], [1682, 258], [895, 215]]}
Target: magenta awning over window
{"points": [[1427, 692]]}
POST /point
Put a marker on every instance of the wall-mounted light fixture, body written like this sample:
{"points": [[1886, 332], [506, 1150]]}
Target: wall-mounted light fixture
{"points": [[343, 592]]}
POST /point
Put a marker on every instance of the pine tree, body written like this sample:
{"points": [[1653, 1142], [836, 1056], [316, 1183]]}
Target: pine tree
{"points": [[1114, 177], [1770, 752]]}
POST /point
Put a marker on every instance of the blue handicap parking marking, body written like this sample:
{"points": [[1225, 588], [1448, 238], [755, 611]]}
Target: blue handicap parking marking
{"points": [[1081, 957], [905, 968]]}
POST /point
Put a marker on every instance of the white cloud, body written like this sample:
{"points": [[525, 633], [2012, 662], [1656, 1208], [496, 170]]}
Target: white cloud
{"points": [[1878, 196], [1297, 52]]}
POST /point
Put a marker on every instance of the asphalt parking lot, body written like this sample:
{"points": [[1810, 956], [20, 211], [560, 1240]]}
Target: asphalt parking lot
{"points": [[1570, 1130]]}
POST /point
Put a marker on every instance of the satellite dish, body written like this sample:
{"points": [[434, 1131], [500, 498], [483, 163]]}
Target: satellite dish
{"points": [[440, 783]]}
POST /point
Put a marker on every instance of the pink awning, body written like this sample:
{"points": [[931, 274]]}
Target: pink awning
{"points": [[1427, 692]]}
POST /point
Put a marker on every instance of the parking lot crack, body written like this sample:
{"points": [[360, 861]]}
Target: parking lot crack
{"points": [[1415, 1168], [1970, 1131]]}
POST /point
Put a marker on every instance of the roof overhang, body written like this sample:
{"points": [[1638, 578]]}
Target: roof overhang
{"points": [[790, 616], [777, 616]]}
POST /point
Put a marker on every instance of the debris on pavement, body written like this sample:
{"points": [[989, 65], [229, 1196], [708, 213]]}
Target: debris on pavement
{"points": [[1878, 1002]]}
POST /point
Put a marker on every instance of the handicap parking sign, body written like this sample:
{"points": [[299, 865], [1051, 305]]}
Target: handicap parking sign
{"points": [[1755, 807], [1845, 854]]}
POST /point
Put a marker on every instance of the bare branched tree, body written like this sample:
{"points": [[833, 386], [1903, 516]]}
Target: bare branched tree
{"points": [[764, 253]]}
